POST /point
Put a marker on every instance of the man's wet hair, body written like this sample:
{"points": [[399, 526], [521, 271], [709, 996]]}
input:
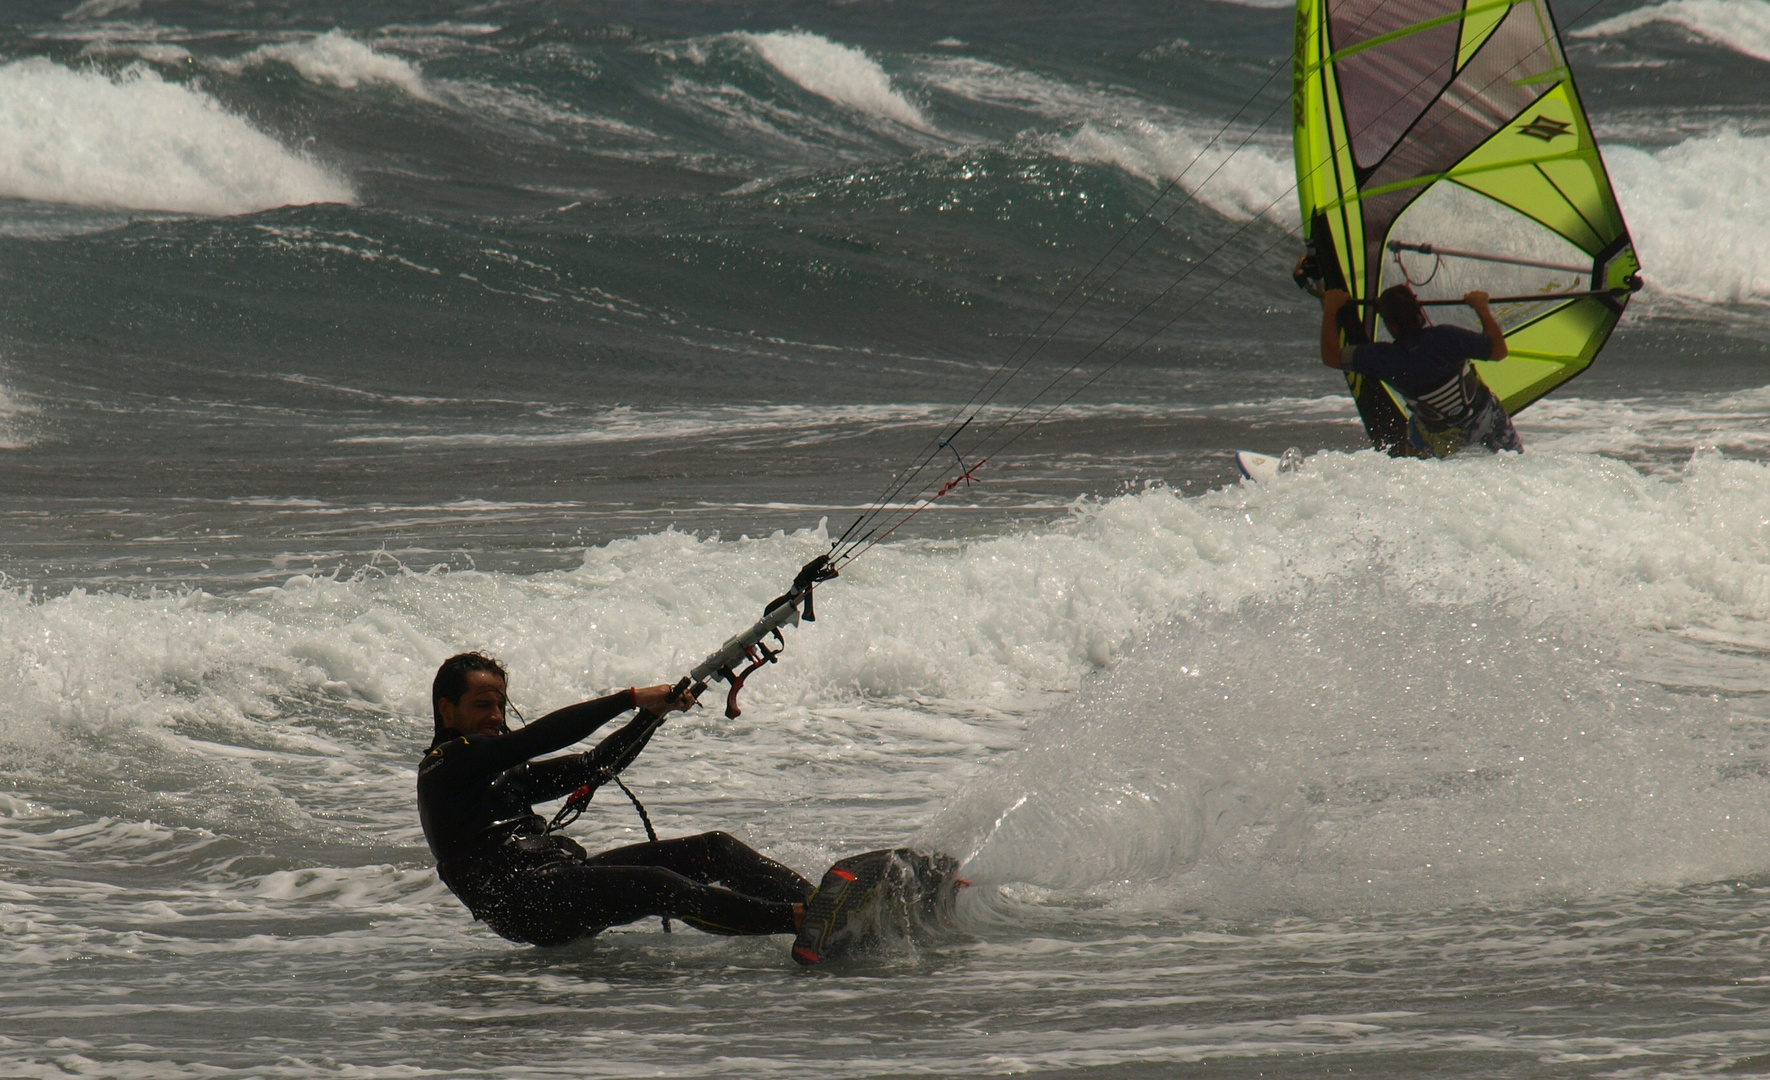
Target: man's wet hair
{"points": [[451, 680], [1401, 311]]}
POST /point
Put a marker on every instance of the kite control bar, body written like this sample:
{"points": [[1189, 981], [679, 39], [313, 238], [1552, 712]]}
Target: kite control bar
{"points": [[750, 648]]}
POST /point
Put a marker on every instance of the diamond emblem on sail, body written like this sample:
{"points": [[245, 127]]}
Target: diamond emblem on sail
{"points": [[1545, 128]]}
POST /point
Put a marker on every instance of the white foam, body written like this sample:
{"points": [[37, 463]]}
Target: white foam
{"points": [[157, 52], [1661, 430], [1740, 25], [223, 702], [990, 83], [336, 59], [100, 9], [13, 420], [1697, 212], [1008, 615], [841, 73], [1416, 755], [135, 141], [1406, 722], [802, 425], [542, 115]]}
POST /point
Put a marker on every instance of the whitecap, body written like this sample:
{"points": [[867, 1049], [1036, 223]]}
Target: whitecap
{"points": [[336, 59], [1697, 212], [839, 73], [1740, 25], [135, 141]]}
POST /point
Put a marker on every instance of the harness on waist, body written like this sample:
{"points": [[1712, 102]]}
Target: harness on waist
{"points": [[1452, 402]]}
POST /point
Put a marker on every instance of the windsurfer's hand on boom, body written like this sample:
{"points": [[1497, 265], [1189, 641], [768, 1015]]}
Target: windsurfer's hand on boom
{"points": [[1489, 325]]}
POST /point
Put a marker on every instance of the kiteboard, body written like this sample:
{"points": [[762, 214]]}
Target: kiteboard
{"points": [[867, 901], [1263, 468]]}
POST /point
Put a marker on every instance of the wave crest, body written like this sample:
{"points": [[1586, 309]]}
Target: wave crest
{"points": [[335, 59], [1238, 183], [839, 73], [1740, 25], [137, 142], [1694, 211]]}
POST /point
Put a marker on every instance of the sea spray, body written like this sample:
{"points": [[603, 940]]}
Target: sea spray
{"points": [[1358, 748]]}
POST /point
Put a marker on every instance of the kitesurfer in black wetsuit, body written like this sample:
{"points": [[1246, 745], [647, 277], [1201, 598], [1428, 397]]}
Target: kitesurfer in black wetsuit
{"points": [[1429, 366], [476, 787]]}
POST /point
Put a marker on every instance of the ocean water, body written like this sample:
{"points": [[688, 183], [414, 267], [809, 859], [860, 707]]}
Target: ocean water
{"points": [[336, 338]]}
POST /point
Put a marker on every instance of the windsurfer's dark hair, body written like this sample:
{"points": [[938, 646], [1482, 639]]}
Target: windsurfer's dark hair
{"points": [[451, 680], [1401, 311]]}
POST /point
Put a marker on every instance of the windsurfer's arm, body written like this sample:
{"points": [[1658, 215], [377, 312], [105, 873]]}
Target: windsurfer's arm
{"points": [[1496, 338], [1331, 303]]}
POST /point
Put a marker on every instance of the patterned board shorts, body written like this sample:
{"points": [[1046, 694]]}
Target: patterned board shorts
{"points": [[1487, 426]]}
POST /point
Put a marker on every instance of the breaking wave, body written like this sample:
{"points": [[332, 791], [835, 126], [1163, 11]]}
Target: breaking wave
{"points": [[1740, 25], [839, 73], [336, 59], [135, 141], [1695, 210]]}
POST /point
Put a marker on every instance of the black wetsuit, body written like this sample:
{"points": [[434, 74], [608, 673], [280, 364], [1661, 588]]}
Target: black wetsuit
{"points": [[494, 852]]}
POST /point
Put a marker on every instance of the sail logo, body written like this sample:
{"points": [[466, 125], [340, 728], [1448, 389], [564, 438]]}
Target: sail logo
{"points": [[1545, 128]]}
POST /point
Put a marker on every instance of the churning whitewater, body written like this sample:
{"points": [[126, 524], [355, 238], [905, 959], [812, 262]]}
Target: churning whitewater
{"points": [[341, 338]]}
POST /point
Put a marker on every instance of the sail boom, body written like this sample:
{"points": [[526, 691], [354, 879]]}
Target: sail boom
{"points": [[1481, 256], [1526, 298]]}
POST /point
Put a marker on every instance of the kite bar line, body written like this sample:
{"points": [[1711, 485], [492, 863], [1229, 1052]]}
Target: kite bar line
{"points": [[1433, 249]]}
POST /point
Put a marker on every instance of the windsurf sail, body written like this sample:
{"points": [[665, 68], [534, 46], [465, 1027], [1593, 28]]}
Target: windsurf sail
{"points": [[1442, 144]]}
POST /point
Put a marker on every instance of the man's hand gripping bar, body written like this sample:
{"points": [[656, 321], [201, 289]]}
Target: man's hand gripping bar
{"points": [[750, 648]]}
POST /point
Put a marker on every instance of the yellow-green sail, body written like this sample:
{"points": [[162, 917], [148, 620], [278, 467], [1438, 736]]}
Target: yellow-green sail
{"points": [[1443, 143]]}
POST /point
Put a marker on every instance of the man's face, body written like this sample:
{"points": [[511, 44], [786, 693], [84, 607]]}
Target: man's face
{"points": [[480, 710]]}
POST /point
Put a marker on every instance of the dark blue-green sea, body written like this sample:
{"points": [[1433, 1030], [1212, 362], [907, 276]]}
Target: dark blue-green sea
{"points": [[336, 338]]}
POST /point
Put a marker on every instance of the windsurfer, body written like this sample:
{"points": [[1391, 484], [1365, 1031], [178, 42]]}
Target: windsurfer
{"points": [[1449, 406], [476, 787]]}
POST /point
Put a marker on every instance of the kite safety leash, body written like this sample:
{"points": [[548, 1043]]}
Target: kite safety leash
{"points": [[574, 805]]}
